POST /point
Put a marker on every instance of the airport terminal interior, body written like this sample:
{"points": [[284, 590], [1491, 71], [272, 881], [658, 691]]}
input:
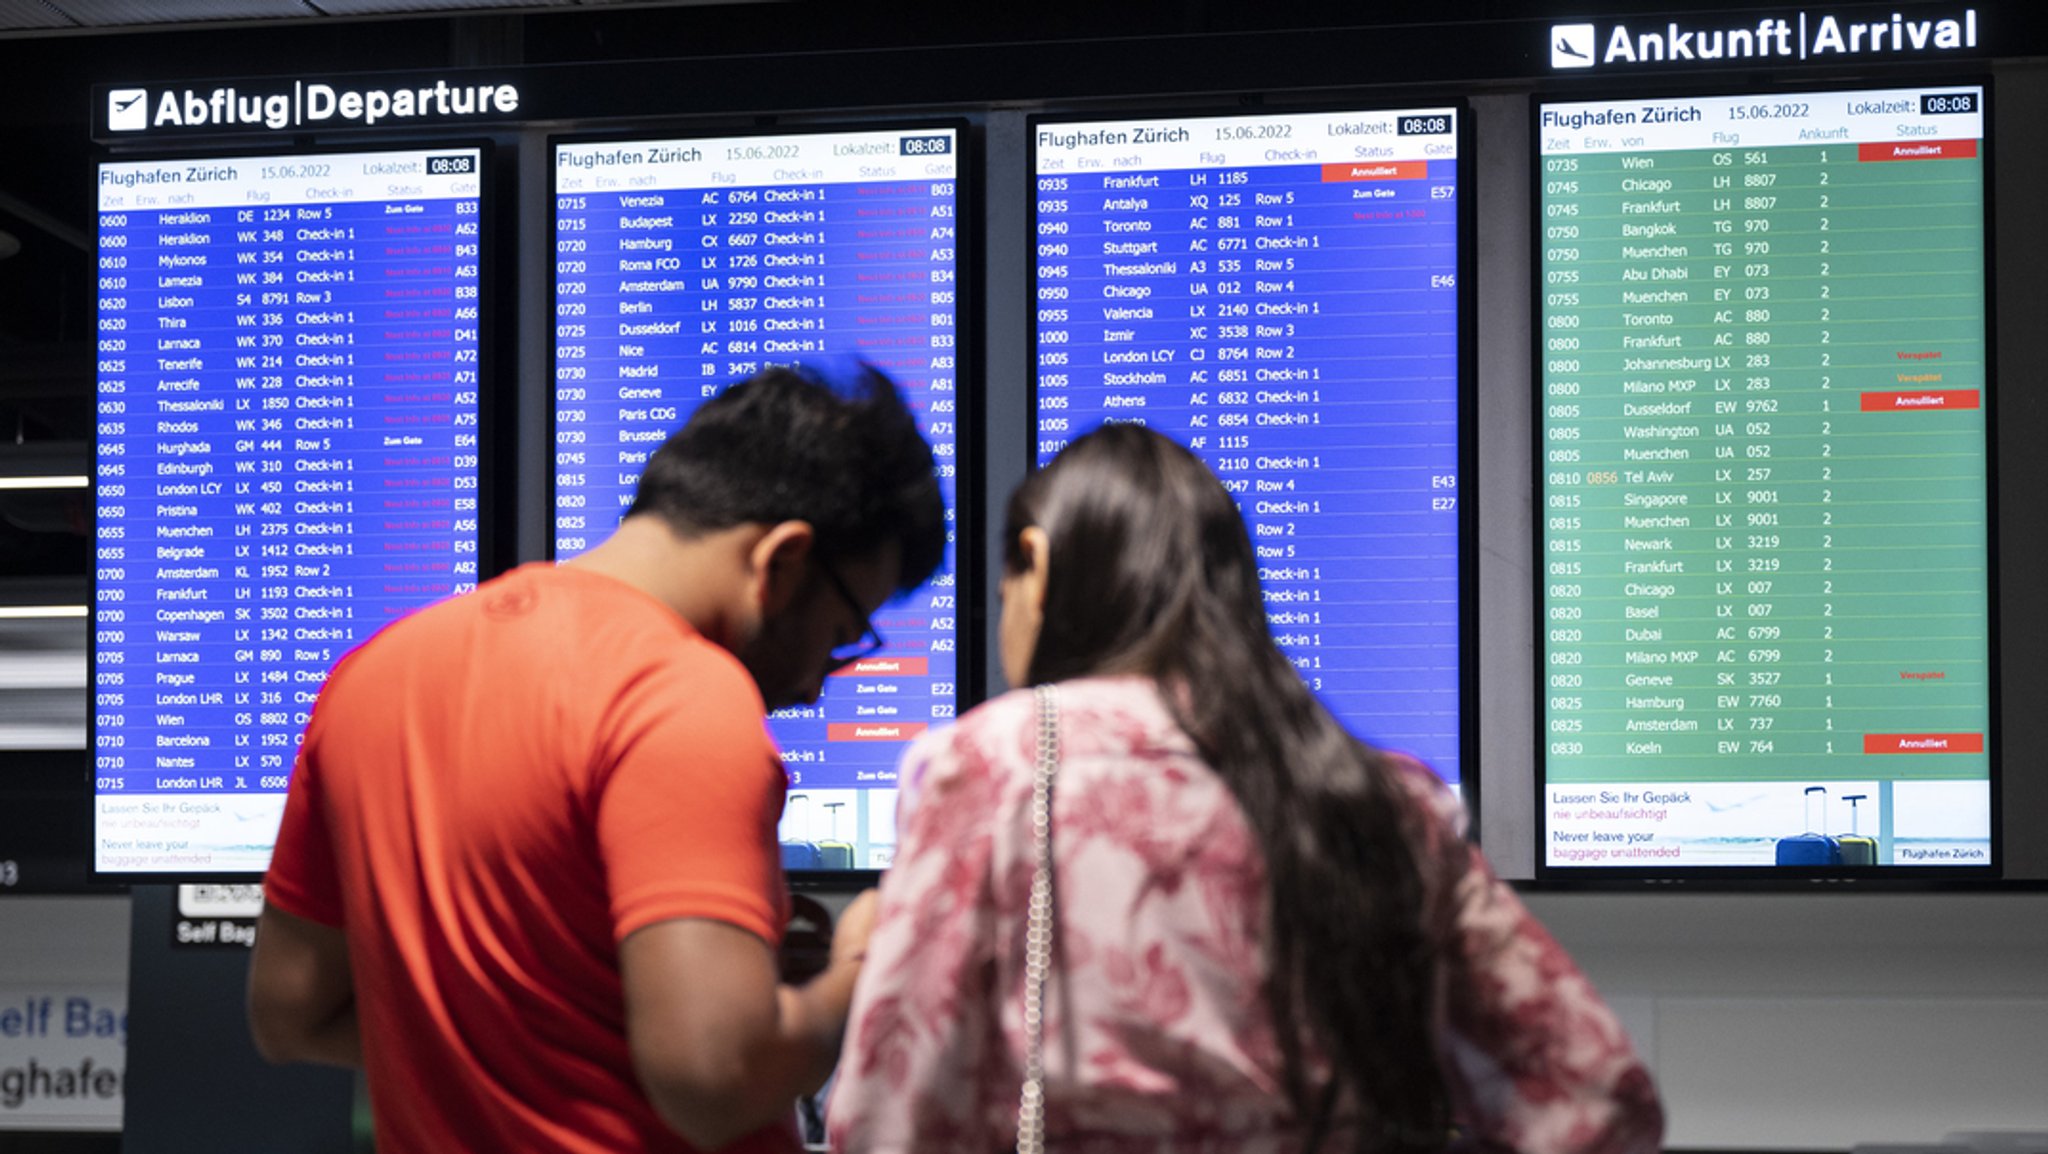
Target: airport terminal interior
{"points": [[1628, 404]]}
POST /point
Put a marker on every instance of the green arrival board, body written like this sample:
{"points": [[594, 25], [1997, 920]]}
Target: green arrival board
{"points": [[1763, 404]]}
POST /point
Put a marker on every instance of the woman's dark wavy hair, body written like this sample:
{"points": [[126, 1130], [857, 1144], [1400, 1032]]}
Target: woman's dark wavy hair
{"points": [[1152, 573]]}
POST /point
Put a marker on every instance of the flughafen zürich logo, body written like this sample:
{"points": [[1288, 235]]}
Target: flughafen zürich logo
{"points": [[1792, 37]]}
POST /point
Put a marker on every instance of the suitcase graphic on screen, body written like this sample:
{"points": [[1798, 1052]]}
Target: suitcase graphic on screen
{"points": [[1857, 850], [1811, 848], [835, 854], [796, 853]]}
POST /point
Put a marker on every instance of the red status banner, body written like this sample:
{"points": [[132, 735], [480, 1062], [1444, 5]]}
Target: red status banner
{"points": [[887, 667], [1917, 150], [1923, 743], [1920, 400], [1377, 170], [874, 730]]}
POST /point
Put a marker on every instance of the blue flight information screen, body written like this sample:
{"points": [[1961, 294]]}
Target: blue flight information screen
{"points": [[684, 265], [286, 458], [1279, 293]]}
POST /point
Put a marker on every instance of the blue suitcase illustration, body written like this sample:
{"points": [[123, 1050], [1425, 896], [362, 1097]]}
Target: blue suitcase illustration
{"points": [[801, 855], [798, 853], [1811, 848]]}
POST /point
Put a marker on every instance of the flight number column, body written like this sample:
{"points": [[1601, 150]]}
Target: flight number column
{"points": [[268, 411], [1770, 440]]}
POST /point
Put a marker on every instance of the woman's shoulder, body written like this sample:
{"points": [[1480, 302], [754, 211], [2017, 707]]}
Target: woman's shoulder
{"points": [[1099, 716], [980, 743], [1132, 699], [1006, 714]]}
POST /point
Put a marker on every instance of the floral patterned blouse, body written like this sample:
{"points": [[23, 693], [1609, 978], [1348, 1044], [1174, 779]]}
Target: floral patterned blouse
{"points": [[1157, 1033]]}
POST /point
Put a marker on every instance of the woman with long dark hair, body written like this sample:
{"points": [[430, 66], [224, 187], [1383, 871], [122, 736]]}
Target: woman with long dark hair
{"points": [[1269, 936]]}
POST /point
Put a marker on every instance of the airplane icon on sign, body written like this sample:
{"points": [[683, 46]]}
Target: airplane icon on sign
{"points": [[1571, 45], [128, 109]]}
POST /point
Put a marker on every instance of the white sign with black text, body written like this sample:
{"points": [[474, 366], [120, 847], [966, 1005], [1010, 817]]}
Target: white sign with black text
{"points": [[1816, 37]]}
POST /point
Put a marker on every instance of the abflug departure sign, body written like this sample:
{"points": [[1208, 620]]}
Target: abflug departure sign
{"points": [[1790, 38], [304, 104]]}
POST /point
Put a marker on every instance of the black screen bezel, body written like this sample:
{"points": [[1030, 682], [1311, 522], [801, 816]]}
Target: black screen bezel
{"points": [[1753, 878], [1375, 102]]}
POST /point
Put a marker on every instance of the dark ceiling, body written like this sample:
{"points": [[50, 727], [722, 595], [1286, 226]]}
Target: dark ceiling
{"points": [[48, 15]]}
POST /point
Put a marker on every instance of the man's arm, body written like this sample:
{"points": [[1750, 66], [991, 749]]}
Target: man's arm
{"points": [[723, 1049], [302, 998]]}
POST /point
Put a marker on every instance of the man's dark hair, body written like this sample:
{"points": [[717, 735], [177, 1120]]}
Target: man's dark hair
{"points": [[793, 444]]}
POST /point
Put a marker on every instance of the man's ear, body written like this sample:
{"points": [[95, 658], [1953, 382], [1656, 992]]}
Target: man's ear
{"points": [[776, 564]]}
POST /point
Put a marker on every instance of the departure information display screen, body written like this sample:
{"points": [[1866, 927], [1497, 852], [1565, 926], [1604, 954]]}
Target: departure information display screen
{"points": [[1280, 294], [286, 460], [1764, 489], [684, 265]]}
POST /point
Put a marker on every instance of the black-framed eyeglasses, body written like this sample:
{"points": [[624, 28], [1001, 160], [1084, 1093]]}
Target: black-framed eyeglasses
{"points": [[870, 640]]}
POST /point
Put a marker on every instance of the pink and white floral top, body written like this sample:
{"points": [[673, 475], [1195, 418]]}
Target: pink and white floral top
{"points": [[1157, 1034]]}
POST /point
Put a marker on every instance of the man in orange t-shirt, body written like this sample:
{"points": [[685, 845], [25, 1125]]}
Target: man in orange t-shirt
{"points": [[528, 876]]}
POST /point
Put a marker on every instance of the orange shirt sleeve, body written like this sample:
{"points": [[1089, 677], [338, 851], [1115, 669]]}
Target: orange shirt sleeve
{"points": [[689, 794]]}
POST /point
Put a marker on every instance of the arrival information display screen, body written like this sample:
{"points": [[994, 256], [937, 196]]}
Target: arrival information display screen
{"points": [[684, 265], [1279, 293], [286, 460], [1765, 585]]}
